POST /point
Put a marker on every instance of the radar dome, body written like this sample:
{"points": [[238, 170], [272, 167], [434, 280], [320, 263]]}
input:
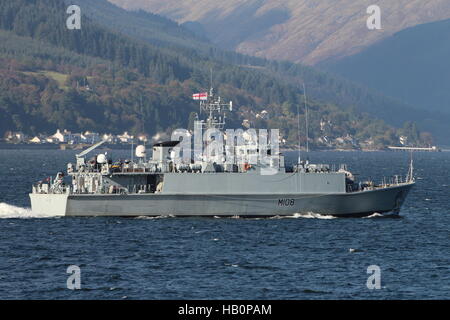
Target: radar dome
{"points": [[101, 158], [140, 151]]}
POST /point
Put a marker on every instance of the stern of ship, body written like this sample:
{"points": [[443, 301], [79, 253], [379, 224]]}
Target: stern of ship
{"points": [[48, 204]]}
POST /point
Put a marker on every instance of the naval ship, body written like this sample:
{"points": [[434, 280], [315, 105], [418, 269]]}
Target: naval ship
{"points": [[209, 186]]}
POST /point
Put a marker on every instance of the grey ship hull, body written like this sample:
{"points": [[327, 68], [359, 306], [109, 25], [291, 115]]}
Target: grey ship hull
{"points": [[361, 203]]}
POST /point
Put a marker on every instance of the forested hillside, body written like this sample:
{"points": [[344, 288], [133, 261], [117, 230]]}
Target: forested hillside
{"points": [[102, 80], [320, 86]]}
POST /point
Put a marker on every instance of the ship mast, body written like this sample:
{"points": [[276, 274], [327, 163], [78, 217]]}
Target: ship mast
{"points": [[216, 111], [306, 124], [306, 128], [410, 177], [299, 160]]}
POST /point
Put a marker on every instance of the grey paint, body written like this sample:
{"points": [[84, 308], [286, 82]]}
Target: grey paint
{"points": [[210, 204]]}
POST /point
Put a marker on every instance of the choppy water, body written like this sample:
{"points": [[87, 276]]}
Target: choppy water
{"points": [[302, 257]]}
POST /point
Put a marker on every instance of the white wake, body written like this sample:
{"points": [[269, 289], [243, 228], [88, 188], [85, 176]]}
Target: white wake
{"points": [[8, 211], [308, 215], [374, 215]]}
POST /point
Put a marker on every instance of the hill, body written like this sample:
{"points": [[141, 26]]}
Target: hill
{"points": [[321, 86], [134, 84], [297, 30], [153, 28], [412, 65]]}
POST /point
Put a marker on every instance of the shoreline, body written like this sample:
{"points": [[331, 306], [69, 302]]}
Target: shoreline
{"points": [[61, 147]]}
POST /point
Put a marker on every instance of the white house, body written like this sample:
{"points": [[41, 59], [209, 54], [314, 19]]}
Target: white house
{"points": [[125, 137], [62, 136], [36, 139], [15, 137], [109, 138]]}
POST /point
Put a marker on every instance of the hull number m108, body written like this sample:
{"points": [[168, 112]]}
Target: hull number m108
{"points": [[286, 202]]}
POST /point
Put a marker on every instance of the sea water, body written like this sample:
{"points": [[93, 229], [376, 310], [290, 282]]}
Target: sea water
{"points": [[306, 256]]}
